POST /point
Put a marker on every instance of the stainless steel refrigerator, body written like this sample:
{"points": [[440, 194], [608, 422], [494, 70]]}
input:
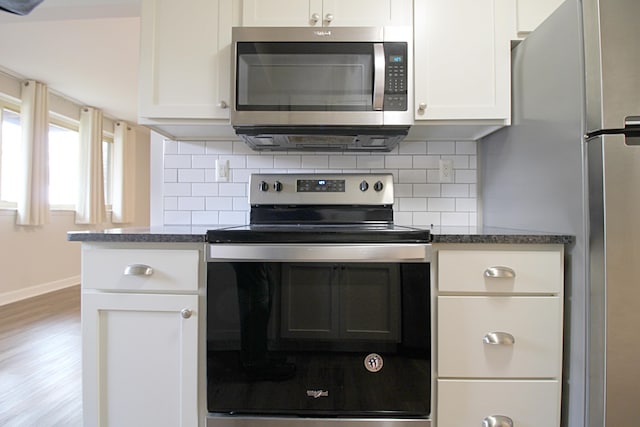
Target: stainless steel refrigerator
{"points": [[570, 163]]}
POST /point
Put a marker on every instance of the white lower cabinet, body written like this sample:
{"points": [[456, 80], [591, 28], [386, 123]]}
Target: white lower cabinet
{"points": [[140, 360], [499, 317], [141, 317]]}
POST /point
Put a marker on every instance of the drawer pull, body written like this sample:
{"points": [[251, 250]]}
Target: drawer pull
{"points": [[497, 421], [500, 272], [499, 338], [138, 270]]}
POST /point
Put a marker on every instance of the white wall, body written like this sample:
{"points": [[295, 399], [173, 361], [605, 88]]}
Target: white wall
{"points": [[35, 260], [190, 195]]}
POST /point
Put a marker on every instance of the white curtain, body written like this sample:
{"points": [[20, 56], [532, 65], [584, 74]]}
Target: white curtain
{"points": [[123, 196], [33, 197], [90, 208]]}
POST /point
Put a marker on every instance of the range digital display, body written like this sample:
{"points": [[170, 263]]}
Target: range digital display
{"points": [[320, 186]]}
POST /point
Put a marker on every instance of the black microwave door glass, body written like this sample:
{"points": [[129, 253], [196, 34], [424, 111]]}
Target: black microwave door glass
{"points": [[319, 339], [304, 76]]}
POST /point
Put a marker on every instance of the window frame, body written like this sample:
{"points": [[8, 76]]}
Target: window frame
{"points": [[6, 104], [108, 138]]}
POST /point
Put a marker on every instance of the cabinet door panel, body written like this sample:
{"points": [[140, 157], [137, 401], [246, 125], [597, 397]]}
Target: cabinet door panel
{"points": [[140, 360], [526, 403], [367, 12], [276, 13], [533, 322], [462, 63], [184, 59]]}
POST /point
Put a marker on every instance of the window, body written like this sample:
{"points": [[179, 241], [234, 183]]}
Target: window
{"points": [[63, 164], [10, 136], [107, 169]]}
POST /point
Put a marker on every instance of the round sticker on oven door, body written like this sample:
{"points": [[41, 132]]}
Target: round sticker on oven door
{"points": [[373, 362]]}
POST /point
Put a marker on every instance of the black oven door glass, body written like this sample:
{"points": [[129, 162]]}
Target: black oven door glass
{"points": [[304, 76], [319, 339]]}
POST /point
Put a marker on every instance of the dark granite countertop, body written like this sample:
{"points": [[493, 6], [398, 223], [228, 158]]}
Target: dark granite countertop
{"points": [[186, 234]]}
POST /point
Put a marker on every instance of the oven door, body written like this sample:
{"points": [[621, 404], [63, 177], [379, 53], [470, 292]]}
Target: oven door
{"points": [[318, 332]]}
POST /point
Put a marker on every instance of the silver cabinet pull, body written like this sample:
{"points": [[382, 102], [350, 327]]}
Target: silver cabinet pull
{"points": [[497, 421], [315, 18], [328, 17], [499, 338], [223, 105], [186, 313], [422, 107], [138, 270], [500, 272]]}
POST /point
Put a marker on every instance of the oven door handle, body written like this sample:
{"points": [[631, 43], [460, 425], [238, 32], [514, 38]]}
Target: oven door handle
{"points": [[320, 253]]}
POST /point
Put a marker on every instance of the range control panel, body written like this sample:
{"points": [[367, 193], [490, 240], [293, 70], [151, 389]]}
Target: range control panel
{"points": [[321, 189]]}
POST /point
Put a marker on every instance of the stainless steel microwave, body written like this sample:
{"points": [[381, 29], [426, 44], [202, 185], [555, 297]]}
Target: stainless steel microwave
{"points": [[342, 87]]}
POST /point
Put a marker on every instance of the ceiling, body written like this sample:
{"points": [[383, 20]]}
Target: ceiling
{"points": [[84, 49]]}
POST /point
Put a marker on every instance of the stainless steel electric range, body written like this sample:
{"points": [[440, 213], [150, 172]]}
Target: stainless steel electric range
{"points": [[318, 311]]}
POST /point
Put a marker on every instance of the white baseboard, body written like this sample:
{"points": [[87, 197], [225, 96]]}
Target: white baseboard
{"points": [[33, 291]]}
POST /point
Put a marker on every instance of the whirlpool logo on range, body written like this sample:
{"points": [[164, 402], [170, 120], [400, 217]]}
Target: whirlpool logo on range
{"points": [[318, 393]]}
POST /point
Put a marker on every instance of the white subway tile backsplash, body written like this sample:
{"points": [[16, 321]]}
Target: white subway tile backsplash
{"points": [[204, 217], [412, 176], [441, 147], [190, 175], [342, 161], [190, 203], [441, 204], [206, 189], [191, 147], [398, 162], [219, 203], [193, 196], [177, 189], [176, 161], [370, 162], [455, 190], [171, 175]]}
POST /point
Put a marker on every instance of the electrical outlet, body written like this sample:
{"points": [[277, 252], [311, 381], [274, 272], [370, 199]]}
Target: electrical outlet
{"points": [[222, 170], [446, 170]]}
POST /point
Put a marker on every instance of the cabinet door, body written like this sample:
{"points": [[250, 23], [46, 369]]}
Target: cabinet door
{"points": [[462, 59], [526, 403], [281, 13], [140, 360], [184, 59], [317, 13]]}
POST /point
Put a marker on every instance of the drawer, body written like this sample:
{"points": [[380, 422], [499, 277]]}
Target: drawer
{"points": [[500, 271], [535, 323], [526, 403], [124, 269]]}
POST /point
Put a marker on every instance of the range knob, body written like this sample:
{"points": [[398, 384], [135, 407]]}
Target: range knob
{"points": [[378, 186], [263, 186], [364, 186], [277, 186]]}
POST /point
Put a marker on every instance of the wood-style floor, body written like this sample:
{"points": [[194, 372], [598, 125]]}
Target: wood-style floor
{"points": [[40, 370]]}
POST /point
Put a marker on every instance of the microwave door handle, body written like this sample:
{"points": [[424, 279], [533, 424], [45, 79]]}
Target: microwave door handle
{"points": [[378, 76]]}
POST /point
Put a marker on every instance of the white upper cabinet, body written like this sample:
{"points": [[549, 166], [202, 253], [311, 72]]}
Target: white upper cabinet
{"points": [[184, 59], [462, 59], [531, 13], [319, 13]]}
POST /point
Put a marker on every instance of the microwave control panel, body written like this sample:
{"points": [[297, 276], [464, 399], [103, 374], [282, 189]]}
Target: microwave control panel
{"points": [[395, 90]]}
